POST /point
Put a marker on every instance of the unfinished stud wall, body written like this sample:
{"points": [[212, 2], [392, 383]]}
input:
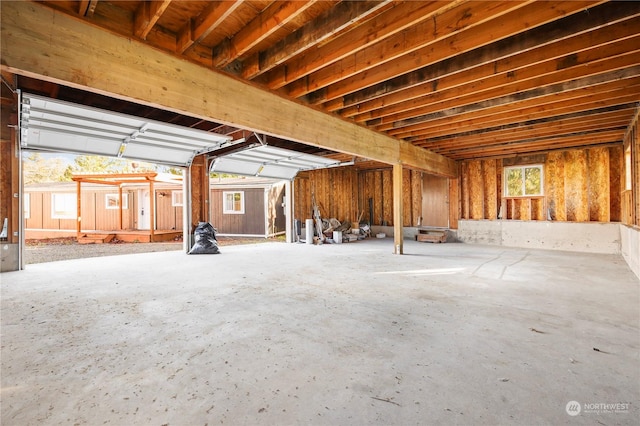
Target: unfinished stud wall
{"points": [[335, 191], [630, 198], [9, 168], [344, 193], [582, 185]]}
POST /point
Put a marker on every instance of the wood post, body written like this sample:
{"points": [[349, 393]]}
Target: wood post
{"points": [[120, 207], [152, 210], [79, 209], [397, 209]]}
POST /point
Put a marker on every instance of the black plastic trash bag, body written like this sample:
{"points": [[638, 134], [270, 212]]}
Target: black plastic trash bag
{"points": [[205, 240]]}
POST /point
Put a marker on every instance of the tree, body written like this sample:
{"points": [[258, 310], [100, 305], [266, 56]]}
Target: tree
{"points": [[37, 169], [100, 164]]}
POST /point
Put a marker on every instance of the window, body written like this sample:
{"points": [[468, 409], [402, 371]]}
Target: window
{"points": [[111, 201], [523, 181], [26, 206], [176, 198], [63, 206], [233, 202]]}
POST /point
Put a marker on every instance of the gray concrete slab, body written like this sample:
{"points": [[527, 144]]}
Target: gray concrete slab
{"points": [[343, 334]]}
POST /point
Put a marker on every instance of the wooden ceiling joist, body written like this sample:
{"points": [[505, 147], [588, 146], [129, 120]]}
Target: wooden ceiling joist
{"points": [[431, 112], [574, 52], [147, 16], [200, 27], [446, 46], [614, 93], [266, 23], [326, 26], [551, 40], [440, 74], [45, 44], [393, 21]]}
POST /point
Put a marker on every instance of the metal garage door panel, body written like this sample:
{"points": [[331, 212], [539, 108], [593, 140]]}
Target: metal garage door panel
{"points": [[268, 161], [68, 142], [232, 166], [51, 124]]}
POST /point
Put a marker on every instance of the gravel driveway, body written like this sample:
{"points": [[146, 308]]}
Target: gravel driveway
{"points": [[55, 252], [41, 251]]}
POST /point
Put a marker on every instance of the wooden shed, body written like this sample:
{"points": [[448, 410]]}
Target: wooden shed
{"points": [[248, 207]]}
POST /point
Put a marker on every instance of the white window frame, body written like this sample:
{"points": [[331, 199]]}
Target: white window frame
{"points": [[226, 208], [64, 205], [114, 197], [26, 206], [524, 194], [176, 198]]}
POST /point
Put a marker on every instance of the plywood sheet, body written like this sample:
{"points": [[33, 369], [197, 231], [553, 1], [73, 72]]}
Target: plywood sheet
{"points": [[554, 186], [416, 198], [387, 197], [616, 182], [575, 183], [406, 198], [476, 190], [598, 184], [489, 173]]}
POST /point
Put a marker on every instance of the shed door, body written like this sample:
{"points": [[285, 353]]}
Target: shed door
{"points": [[435, 201]]}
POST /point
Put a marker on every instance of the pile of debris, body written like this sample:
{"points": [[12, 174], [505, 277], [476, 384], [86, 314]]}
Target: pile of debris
{"points": [[332, 231]]}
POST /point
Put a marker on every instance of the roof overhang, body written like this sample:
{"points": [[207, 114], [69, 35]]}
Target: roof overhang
{"points": [[54, 125]]}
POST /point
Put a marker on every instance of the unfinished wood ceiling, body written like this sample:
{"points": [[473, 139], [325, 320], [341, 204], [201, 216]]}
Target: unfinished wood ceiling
{"points": [[466, 79]]}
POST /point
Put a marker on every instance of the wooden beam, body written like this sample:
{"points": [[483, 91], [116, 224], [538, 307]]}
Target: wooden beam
{"points": [[328, 24], [50, 45]]}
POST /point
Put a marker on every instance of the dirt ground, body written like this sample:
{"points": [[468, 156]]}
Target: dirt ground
{"points": [[56, 249]]}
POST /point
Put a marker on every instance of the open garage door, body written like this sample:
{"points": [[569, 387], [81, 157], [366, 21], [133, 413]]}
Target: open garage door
{"points": [[53, 125], [269, 161]]}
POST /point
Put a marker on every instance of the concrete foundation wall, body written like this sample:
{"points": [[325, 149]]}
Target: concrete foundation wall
{"points": [[9, 255], [585, 237], [630, 247]]}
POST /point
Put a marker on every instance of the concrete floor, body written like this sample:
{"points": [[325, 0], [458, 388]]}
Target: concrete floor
{"points": [[323, 335]]}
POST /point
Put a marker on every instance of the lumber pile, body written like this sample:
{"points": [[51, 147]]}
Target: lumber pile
{"points": [[429, 235]]}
